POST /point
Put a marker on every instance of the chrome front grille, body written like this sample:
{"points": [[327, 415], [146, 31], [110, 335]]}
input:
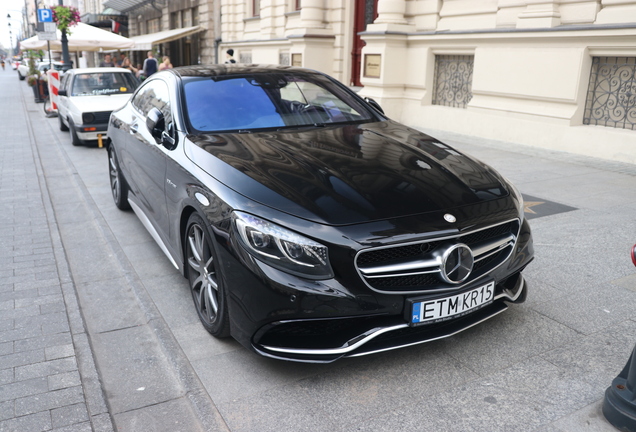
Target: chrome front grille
{"points": [[417, 266]]}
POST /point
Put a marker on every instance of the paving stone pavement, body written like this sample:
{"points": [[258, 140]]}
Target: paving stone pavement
{"points": [[48, 379]]}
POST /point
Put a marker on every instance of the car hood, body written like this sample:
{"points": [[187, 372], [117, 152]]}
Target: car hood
{"points": [[99, 103], [348, 174]]}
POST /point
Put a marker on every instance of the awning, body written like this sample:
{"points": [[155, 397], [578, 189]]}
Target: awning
{"points": [[145, 42], [83, 37], [124, 5]]}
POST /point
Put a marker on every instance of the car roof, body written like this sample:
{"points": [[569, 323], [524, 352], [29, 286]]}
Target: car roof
{"points": [[97, 70], [236, 69]]}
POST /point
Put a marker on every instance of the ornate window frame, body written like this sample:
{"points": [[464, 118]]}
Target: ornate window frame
{"points": [[455, 69]]}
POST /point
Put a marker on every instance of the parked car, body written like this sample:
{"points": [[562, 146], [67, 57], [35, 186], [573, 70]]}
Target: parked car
{"points": [[23, 69], [88, 96], [46, 65], [309, 225]]}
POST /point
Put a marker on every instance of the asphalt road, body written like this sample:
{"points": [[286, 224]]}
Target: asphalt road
{"points": [[543, 365]]}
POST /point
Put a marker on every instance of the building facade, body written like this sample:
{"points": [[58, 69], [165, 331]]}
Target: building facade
{"points": [[182, 29], [557, 74], [317, 34]]}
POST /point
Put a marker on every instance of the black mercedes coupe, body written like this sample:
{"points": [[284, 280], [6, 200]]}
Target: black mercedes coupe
{"points": [[310, 226]]}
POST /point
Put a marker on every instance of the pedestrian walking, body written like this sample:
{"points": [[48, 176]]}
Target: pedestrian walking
{"points": [[165, 64], [122, 58], [107, 62], [127, 65], [229, 56], [150, 65]]}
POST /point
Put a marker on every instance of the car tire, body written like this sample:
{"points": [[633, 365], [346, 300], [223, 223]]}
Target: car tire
{"points": [[63, 127], [74, 138], [206, 283], [21, 77], [118, 185]]}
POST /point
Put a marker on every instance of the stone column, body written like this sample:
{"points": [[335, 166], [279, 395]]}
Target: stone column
{"points": [[391, 12], [616, 12], [426, 13], [312, 14], [268, 28], [540, 13], [391, 17]]}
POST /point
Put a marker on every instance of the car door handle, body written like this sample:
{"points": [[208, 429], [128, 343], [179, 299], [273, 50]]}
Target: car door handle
{"points": [[134, 128]]}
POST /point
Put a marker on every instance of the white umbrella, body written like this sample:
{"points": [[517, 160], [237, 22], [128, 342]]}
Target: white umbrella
{"points": [[83, 37]]}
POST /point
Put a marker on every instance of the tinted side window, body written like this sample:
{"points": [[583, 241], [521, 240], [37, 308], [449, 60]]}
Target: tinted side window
{"points": [[64, 82], [155, 94]]}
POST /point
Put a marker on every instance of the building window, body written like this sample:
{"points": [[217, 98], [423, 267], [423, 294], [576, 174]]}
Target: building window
{"points": [[174, 20], [297, 4], [453, 84], [283, 58], [186, 17], [611, 95], [256, 8], [245, 57], [153, 25]]}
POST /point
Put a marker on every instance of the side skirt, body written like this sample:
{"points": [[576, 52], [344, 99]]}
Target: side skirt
{"points": [[153, 232]]}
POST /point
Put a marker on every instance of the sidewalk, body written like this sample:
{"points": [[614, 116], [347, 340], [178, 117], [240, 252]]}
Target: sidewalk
{"points": [[134, 357], [48, 379]]}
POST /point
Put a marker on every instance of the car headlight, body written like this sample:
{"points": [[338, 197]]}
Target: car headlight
{"points": [[88, 118], [282, 248]]}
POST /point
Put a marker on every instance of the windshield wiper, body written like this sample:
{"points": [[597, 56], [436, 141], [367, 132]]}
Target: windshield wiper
{"points": [[305, 126]]}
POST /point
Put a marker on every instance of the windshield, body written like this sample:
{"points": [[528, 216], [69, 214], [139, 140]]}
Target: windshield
{"points": [[47, 66], [274, 100], [91, 84]]}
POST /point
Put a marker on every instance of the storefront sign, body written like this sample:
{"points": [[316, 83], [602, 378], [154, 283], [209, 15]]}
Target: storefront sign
{"points": [[297, 60], [372, 63]]}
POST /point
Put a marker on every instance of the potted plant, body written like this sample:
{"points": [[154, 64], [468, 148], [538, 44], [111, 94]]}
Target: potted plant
{"points": [[65, 17], [33, 79]]}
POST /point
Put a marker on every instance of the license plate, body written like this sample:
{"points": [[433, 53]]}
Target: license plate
{"points": [[442, 309]]}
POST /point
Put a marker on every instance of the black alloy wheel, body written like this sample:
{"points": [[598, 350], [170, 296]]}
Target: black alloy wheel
{"points": [[206, 284], [74, 138], [63, 127], [118, 185]]}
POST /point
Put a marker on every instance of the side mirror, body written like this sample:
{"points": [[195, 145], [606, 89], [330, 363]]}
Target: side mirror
{"points": [[62, 93], [155, 123], [376, 106]]}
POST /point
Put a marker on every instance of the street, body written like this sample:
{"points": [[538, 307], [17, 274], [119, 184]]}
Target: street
{"points": [[99, 331]]}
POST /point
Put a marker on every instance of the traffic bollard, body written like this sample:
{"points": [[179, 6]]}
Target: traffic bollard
{"points": [[619, 406]]}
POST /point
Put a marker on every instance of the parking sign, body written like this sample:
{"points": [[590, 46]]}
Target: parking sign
{"points": [[45, 15]]}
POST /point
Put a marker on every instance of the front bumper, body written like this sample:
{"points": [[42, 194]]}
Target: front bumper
{"points": [[90, 132], [388, 333], [285, 317]]}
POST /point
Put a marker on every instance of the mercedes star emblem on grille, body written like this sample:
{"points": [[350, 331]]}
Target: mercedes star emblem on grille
{"points": [[457, 263], [450, 218]]}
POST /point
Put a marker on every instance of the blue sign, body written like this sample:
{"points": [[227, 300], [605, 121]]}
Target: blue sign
{"points": [[45, 15]]}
